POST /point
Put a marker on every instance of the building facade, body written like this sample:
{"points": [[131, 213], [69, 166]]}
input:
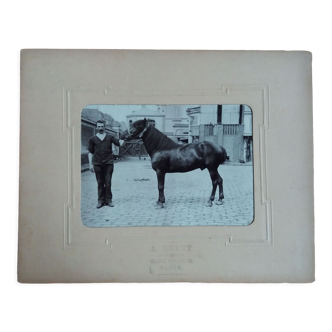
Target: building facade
{"points": [[176, 122], [157, 117], [227, 125], [172, 120]]}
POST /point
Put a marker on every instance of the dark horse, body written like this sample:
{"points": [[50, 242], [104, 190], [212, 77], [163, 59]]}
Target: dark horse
{"points": [[170, 157]]}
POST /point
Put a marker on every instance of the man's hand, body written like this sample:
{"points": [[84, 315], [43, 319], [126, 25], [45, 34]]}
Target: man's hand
{"points": [[90, 157], [121, 142]]}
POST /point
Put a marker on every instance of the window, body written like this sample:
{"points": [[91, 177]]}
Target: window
{"points": [[219, 113]]}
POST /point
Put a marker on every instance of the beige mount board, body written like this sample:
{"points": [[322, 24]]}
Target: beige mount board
{"points": [[54, 246]]}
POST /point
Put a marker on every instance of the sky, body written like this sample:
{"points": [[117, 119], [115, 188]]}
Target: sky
{"points": [[119, 112]]}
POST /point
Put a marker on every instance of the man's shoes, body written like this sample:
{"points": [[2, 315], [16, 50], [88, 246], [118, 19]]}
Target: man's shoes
{"points": [[99, 205]]}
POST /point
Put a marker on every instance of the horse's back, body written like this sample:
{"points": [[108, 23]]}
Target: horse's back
{"points": [[188, 157]]}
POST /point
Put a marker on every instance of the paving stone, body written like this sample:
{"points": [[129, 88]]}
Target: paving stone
{"points": [[134, 187]]}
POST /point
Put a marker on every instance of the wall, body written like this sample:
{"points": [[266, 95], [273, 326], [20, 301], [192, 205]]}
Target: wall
{"points": [[228, 136], [247, 121], [233, 143], [175, 115], [230, 114], [208, 114]]}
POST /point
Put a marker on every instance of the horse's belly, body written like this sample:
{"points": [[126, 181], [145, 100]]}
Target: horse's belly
{"points": [[177, 162], [183, 169], [184, 165]]}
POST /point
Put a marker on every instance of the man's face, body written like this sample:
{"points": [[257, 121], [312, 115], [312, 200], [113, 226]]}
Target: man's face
{"points": [[100, 128]]}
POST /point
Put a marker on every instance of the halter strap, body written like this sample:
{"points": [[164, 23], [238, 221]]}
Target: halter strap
{"points": [[143, 131]]}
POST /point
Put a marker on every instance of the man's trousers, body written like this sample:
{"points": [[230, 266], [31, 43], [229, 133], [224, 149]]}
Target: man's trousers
{"points": [[104, 180]]}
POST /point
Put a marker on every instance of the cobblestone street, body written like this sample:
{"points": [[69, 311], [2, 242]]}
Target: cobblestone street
{"points": [[134, 188]]}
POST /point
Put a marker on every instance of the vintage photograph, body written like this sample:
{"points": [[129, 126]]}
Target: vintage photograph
{"points": [[162, 173], [166, 165]]}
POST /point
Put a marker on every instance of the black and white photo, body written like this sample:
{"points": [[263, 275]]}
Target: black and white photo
{"points": [[166, 165]]}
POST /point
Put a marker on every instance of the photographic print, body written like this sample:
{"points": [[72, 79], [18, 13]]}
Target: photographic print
{"points": [[166, 165]]}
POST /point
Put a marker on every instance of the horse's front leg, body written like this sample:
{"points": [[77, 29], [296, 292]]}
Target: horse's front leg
{"points": [[161, 183]]}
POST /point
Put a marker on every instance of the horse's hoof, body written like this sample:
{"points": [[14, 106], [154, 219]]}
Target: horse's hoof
{"points": [[219, 202], [208, 204], [160, 204]]}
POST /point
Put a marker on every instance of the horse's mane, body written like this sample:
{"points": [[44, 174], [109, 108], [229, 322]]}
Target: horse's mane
{"points": [[156, 141]]}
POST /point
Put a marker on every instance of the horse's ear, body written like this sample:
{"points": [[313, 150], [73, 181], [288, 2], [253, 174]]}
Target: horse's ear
{"points": [[144, 121]]}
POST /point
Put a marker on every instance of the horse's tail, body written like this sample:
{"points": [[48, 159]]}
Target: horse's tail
{"points": [[223, 155]]}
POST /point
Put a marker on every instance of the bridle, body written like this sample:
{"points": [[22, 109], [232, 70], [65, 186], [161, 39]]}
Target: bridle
{"points": [[140, 135]]}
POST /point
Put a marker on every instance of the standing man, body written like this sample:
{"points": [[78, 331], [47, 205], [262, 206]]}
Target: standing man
{"points": [[101, 162]]}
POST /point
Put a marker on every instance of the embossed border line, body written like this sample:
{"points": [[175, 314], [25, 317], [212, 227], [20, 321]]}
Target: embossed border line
{"points": [[229, 239], [265, 200]]}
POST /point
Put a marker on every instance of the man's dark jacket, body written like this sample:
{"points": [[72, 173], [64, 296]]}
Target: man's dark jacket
{"points": [[102, 149]]}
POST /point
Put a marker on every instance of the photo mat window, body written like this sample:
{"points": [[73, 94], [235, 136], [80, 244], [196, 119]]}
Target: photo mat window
{"points": [[194, 148]]}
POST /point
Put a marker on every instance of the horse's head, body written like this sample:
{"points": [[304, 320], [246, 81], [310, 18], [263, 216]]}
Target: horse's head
{"points": [[135, 131]]}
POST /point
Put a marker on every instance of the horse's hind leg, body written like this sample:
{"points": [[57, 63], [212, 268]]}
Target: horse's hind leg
{"points": [[216, 181], [214, 178], [221, 190]]}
